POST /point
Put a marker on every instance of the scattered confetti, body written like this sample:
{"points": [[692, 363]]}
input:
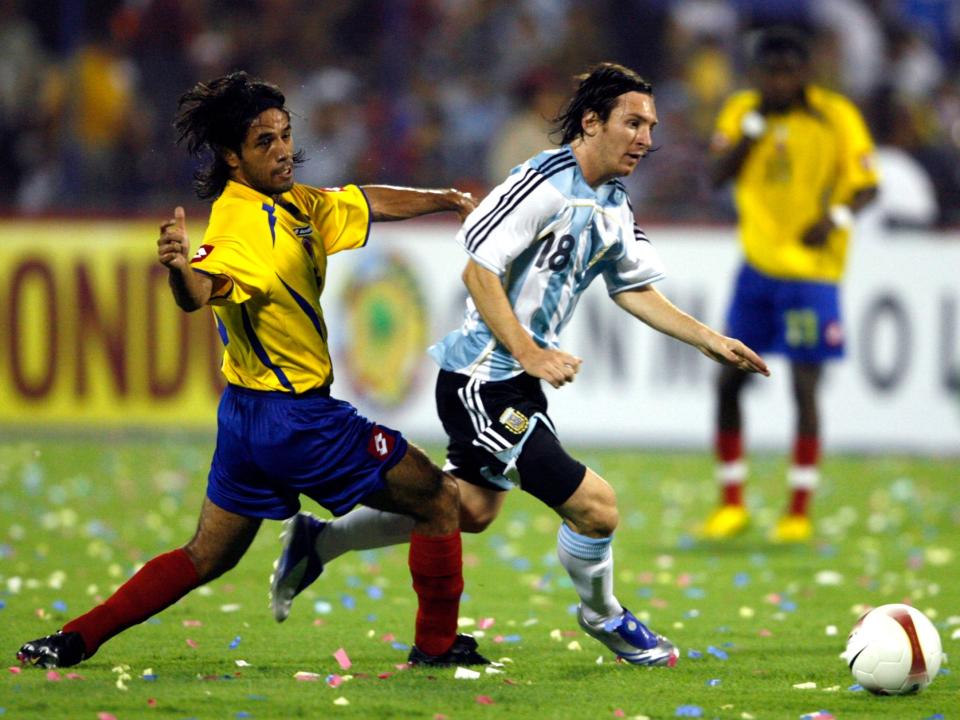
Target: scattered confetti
{"points": [[242, 663], [485, 623], [192, 623], [831, 630], [192, 643], [342, 659], [305, 676], [106, 716], [463, 673], [235, 642], [574, 645], [818, 715], [341, 701], [713, 682], [334, 680], [484, 700], [53, 676], [806, 686], [15, 670], [689, 711], [230, 607]]}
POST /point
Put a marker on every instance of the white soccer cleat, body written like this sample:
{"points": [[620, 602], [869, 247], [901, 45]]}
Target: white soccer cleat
{"points": [[631, 640], [298, 565]]}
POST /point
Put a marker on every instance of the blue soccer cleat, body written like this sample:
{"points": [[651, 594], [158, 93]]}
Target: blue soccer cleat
{"points": [[631, 640], [298, 565]]}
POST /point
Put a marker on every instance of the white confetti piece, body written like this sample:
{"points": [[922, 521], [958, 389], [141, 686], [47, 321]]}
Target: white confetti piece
{"points": [[806, 686], [831, 630], [230, 607], [463, 673], [828, 577], [955, 635], [599, 660], [574, 645], [747, 612], [341, 701], [303, 675], [556, 635], [492, 670], [832, 688], [242, 663], [466, 622]]}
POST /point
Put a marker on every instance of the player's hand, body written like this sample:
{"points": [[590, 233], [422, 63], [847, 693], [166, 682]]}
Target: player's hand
{"points": [[730, 351], [555, 366], [173, 247], [817, 234], [464, 203]]}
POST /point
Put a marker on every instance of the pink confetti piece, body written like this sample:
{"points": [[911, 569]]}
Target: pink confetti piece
{"points": [[389, 637], [334, 681], [74, 676], [192, 643], [151, 702], [439, 716], [53, 676], [403, 666], [485, 623], [15, 670], [342, 659], [106, 716], [192, 623], [384, 675], [319, 621], [305, 676], [619, 713], [765, 633], [484, 700]]}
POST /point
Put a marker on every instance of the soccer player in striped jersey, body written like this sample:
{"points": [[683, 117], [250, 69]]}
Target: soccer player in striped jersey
{"points": [[802, 160], [262, 267], [534, 244]]}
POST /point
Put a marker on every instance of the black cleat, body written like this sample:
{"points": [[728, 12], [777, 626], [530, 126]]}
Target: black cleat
{"points": [[462, 652], [53, 651]]}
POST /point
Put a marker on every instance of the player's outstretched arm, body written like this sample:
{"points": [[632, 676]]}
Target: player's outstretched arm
{"points": [[190, 290], [651, 307], [486, 289], [400, 203]]}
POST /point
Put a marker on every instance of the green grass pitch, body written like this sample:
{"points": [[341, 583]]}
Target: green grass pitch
{"points": [[753, 620]]}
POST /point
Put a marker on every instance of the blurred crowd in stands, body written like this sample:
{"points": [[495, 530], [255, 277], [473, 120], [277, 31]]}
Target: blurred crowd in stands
{"points": [[449, 92]]}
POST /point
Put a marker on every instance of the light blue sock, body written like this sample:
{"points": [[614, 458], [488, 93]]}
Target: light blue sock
{"points": [[589, 562]]}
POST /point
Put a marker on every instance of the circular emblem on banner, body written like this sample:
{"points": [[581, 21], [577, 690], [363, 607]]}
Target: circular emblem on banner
{"points": [[385, 336]]}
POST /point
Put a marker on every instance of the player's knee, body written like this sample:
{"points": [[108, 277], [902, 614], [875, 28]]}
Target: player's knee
{"points": [[474, 520], [442, 496], [599, 521]]}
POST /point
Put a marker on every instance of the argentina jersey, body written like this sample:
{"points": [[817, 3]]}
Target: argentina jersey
{"points": [[547, 234]]}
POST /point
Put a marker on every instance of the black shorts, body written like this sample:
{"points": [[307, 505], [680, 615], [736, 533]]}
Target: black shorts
{"points": [[499, 430]]}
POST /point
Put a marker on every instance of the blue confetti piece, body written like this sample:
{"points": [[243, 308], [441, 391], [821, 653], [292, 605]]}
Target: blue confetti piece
{"points": [[816, 715], [694, 654], [520, 564], [154, 621], [685, 542], [788, 605], [511, 638], [348, 602], [572, 609], [371, 617], [397, 645], [943, 670], [689, 711], [645, 592], [695, 593], [856, 687], [741, 579], [936, 716], [3, 604], [256, 697], [243, 714], [354, 581], [59, 605], [149, 678], [713, 682], [235, 643], [374, 592], [717, 653], [3, 711]]}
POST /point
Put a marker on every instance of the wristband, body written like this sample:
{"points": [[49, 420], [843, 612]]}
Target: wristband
{"points": [[753, 125], [841, 216]]}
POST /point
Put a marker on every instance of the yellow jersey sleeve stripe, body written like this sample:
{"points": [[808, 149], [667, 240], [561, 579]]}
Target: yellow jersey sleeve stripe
{"points": [[261, 352]]}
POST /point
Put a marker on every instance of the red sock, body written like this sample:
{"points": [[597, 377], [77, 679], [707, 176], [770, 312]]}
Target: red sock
{"points": [[436, 564], [157, 585], [731, 494], [729, 446], [799, 501], [806, 450]]}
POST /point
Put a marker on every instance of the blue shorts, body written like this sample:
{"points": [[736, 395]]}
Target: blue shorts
{"points": [[795, 318], [271, 447]]}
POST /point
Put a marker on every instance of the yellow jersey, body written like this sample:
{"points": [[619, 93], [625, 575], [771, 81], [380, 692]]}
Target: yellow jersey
{"points": [[807, 160], [269, 261]]}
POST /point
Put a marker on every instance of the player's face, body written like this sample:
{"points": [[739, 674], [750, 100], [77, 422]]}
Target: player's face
{"points": [[626, 136], [781, 80], [265, 162]]}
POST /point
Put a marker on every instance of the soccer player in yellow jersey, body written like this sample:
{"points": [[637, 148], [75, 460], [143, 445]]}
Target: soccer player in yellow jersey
{"points": [[262, 267], [802, 160]]}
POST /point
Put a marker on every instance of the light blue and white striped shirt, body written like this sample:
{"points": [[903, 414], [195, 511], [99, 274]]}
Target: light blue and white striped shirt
{"points": [[547, 234]]}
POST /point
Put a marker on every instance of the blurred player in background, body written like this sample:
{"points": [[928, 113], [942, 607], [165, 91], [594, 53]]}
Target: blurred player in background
{"points": [[802, 160], [262, 267], [560, 220]]}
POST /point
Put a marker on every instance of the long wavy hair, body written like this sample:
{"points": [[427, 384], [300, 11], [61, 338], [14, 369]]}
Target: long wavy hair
{"points": [[214, 116]]}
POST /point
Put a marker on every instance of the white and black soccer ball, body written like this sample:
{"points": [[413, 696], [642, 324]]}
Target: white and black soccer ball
{"points": [[893, 650]]}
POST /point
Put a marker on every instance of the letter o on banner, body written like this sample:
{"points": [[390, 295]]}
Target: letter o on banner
{"points": [[885, 316]]}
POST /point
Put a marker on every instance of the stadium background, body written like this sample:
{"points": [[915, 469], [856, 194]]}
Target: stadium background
{"points": [[452, 93]]}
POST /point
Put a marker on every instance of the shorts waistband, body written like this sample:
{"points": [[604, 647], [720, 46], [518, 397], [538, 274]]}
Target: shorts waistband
{"points": [[281, 394]]}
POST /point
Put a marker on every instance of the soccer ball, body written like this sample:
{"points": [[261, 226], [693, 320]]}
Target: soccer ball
{"points": [[893, 650]]}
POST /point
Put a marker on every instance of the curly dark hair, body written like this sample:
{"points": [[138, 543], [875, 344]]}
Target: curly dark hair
{"points": [[598, 90], [214, 116], [777, 41]]}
